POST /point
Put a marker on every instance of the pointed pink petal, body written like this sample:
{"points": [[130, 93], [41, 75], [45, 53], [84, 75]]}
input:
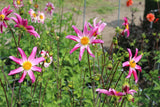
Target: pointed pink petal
{"points": [[4, 25], [75, 38], [102, 91], [33, 54], [132, 92], [35, 68], [90, 25], [135, 54], [128, 33], [22, 77], [125, 64], [138, 68], [130, 53], [97, 41], [92, 32], [14, 19], [19, 19], [102, 26], [15, 71], [81, 52], [34, 33], [130, 72], [31, 75], [23, 55], [75, 47], [135, 75], [37, 61], [89, 51], [138, 58], [85, 31], [17, 60], [79, 33], [94, 22]]}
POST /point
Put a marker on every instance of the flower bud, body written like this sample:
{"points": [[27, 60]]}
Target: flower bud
{"points": [[130, 98]]}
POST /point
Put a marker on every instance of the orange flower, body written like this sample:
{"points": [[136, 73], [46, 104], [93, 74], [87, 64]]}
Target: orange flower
{"points": [[129, 3], [150, 17]]}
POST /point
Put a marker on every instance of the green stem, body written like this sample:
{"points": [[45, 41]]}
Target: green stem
{"points": [[4, 92], [93, 90], [12, 33]]}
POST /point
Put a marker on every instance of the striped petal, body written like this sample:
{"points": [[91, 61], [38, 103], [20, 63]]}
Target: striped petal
{"points": [[15, 71], [97, 41], [75, 38], [138, 58], [102, 91], [35, 68], [75, 47], [135, 75], [33, 54], [37, 61], [130, 72], [23, 55], [132, 92], [135, 54], [22, 77], [90, 52], [19, 19], [81, 52], [79, 33], [85, 30], [17, 60], [31, 75], [130, 53], [125, 64], [138, 68]]}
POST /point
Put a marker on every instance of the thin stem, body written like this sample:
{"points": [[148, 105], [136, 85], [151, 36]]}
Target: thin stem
{"points": [[12, 34], [40, 94], [82, 89], [122, 102], [44, 92], [91, 80], [4, 92]]}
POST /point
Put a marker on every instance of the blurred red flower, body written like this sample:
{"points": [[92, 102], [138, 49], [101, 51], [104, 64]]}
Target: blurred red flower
{"points": [[150, 17]]}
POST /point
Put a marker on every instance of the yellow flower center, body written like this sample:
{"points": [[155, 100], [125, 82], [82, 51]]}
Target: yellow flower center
{"points": [[41, 16], [2, 17], [127, 27], [84, 40], [18, 2], [27, 65], [34, 15], [132, 63]]}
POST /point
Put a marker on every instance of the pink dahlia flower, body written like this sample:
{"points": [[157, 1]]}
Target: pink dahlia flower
{"points": [[18, 3], [48, 58], [27, 64], [100, 25], [33, 15], [126, 24], [23, 24], [41, 17], [84, 40], [133, 64], [49, 8], [3, 17]]}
